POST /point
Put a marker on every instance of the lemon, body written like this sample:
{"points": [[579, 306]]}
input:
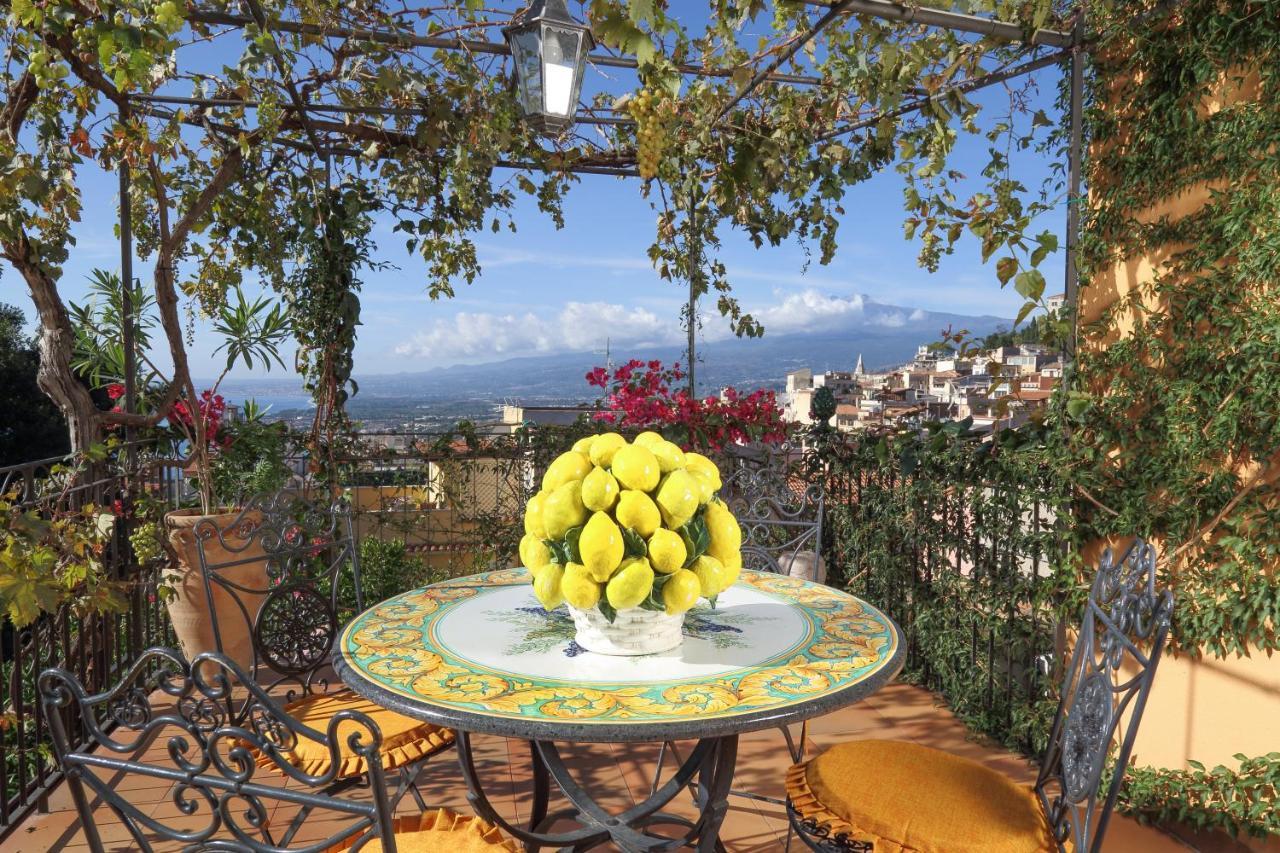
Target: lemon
{"points": [[534, 553], [706, 485], [547, 586], [599, 490], [733, 561], [726, 536], [681, 592], [636, 468], [669, 456], [731, 574], [583, 446], [666, 551], [568, 466], [579, 588], [631, 585], [600, 546], [637, 511], [678, 498], [533, 516], [563, 509], [605, 445], [648, 438], [712, 575], [697, 462]]}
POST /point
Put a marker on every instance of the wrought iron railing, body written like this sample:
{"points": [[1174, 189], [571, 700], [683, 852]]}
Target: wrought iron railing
{"points": [[98, 647]]}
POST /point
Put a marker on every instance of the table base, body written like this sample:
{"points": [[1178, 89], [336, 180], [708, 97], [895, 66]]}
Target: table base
{"points": [[708, 773]]}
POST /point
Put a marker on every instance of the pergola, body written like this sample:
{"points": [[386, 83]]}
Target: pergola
{"points": [[324, 138]]}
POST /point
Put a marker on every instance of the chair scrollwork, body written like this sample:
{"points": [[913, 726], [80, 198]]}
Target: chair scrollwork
{"points": [[1126, 622], [292, 610], [178, 723], [779, 511]]}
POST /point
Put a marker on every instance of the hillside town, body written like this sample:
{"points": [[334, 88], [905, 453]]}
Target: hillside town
{"points": [[1000, 387]]}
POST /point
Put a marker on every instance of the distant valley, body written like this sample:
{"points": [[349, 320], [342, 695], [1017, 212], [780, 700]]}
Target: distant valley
{"points": [[440, 396]]}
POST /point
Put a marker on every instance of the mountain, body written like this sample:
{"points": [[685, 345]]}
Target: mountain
{"points": [[558, 378]]}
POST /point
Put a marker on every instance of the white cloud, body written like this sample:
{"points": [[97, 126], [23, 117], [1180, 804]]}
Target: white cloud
{"points": [[810, 310], [479, 336], [890, 319]]}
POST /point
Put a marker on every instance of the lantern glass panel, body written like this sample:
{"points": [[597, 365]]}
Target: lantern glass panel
{"points": [[526, 51], [560, 49]]}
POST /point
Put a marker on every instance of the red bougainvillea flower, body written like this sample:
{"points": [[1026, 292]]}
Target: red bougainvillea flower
{"points": [[639, 395]]}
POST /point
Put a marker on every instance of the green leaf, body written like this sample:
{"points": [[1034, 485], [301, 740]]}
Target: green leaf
{"points": [[606, 610], [571, 544], [1029, 284], [633, 543], [696, 539], [1005, 269]]}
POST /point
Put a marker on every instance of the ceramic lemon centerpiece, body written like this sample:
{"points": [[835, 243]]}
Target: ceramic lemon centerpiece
{"points": [[629, 536]]}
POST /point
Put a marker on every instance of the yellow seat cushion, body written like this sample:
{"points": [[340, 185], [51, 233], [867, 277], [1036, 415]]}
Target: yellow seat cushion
{"points": [[442, 831], [905, 798], [404, 739]]}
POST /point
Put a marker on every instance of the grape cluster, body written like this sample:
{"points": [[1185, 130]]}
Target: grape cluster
{"points": [[145, 540], [655, 115]]}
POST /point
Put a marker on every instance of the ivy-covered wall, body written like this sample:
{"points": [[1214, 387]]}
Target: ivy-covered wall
{"points": [[1178, 384]]}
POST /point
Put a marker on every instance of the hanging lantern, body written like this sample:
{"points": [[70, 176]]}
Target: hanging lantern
{"points": [[550, 52]]}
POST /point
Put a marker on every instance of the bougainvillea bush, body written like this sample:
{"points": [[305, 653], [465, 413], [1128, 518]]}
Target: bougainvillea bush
{"points": [[643, 395]]}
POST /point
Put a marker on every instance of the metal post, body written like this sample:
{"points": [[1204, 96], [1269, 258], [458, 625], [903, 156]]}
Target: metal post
{"points": [[127, 336], [695, 260], [1074, 155]]}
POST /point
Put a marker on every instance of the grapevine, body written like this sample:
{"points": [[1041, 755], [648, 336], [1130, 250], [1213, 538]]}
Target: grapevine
{"points": [[145, 540], [655, 116]]}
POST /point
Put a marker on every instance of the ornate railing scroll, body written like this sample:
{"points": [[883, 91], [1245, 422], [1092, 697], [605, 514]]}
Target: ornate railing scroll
{"points": [[179, 723], [1121, 638]]}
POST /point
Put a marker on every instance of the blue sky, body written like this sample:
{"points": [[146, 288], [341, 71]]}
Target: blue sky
{"points": [[543, 290]]}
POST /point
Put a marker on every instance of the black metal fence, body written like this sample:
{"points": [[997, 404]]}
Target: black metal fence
{"points": [[966, 550], [97, 647]]}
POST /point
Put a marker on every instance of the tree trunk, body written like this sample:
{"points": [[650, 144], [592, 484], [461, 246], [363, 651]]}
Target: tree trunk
{"points": [[57, 347]]}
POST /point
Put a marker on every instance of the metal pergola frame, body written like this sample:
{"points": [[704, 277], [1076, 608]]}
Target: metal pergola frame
{"points": [[1071, 46]]}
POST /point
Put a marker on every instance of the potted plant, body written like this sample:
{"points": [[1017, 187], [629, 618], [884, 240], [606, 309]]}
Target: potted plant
{"points": [[224, 455], [247, 458], [629, 535]]}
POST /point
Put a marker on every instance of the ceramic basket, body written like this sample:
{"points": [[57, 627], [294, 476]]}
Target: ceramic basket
{"points": [[633, 632]]}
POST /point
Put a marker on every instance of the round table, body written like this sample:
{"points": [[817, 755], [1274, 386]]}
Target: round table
{"points": [[479, 654]]}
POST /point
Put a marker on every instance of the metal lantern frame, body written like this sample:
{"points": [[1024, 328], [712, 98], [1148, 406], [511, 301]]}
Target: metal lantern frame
{"points": [[529, 39]]}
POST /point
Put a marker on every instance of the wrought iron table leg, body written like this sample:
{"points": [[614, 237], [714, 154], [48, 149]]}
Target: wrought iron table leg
{"points": [[711, 762]]}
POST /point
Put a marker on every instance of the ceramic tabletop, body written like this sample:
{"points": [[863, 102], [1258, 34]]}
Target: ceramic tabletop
{"points": [[481, 654]]}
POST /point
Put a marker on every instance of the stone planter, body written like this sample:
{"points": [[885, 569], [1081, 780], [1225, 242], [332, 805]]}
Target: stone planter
{"points": [[234, 610], [633, 632]]}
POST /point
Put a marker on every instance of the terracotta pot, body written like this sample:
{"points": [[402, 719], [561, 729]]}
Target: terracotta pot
{"points": [[189, 606]]}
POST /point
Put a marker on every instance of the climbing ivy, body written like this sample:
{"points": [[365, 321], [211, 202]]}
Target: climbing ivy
{"points": [[1177, 393], [1176, 400], [332, 235]]}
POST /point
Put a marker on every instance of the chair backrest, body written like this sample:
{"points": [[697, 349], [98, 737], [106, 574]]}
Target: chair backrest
{"points": [[179, 723], [779, 510], [292, 611], [1121, 638]]}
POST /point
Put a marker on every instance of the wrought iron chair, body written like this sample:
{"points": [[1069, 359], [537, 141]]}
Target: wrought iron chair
{"points": [[868, 795], [780, 514], [293, 614], [191, 726]]}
